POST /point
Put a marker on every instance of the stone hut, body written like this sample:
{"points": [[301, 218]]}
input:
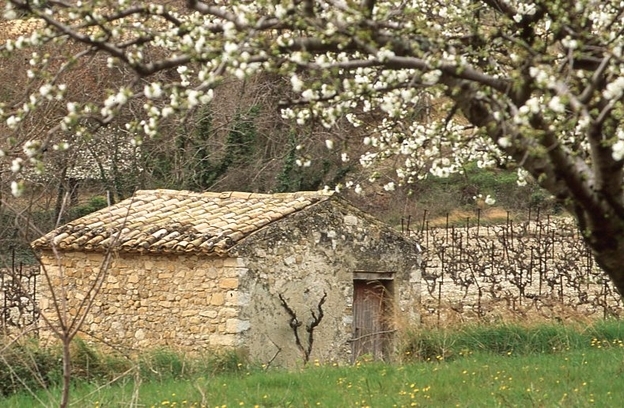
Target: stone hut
{"points": [[254, 272]]}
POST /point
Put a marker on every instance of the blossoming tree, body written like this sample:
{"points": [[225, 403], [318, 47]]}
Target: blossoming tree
{"points": [[535, 83]]}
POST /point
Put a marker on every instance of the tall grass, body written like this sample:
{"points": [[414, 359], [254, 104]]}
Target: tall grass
{"points": [[507, 339], [27, 367]]}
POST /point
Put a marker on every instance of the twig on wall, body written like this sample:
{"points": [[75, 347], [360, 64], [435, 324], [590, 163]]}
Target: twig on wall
{"points": [[279, 350], [295, 323], [316, 320]]}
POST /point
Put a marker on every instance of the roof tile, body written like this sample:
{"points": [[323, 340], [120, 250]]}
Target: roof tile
{"points": [[171, 221]]}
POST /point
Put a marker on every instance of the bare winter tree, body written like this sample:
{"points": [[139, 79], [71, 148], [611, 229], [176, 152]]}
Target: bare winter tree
{"points": [[64, 324]]}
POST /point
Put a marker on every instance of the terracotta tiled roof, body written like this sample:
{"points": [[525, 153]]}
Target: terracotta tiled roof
{"points": [[12, 29], [169, 221]]}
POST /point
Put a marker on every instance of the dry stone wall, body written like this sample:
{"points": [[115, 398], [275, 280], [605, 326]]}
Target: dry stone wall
{"points": [[539, 269], [18, 294], [315, 253], [151, 300]]}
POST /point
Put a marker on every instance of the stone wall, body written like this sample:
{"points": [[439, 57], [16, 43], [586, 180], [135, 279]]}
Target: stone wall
{"points": [[315, 252], [538, 270], [151, 300], [18, 311]]}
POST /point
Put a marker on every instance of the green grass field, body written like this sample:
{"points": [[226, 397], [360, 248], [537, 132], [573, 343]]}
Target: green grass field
{"points": [[569, 379], [505, 366]]}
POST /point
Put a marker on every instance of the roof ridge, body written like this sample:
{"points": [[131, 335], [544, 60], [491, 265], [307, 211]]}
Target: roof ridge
{"points": [[234, 194]]}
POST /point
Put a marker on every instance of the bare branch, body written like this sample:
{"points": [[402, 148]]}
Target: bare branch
{"points": [[295, 323], [596, 78]]}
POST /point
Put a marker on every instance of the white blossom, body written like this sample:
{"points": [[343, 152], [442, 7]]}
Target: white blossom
{"points": [[397, 100], [17, 188], [153, 91], [534, 104], [431, 77], [308, 94], [30, 148], [12, 121], [615, 89], [240, 73], [296, 82], [192, 98], [230, 47], [504, 142], [167, 111], [389, 186], [206, 97], [9, 12], [45, 89], [367, 159], [540, 75], [556, 105], [16, 164], [570, 43], [280, 11], [522, 177], [115, 100], [618, 150], [62, 146], [384, 54]]}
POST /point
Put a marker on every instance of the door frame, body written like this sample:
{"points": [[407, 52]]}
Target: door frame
{"points": [[361, 343]]}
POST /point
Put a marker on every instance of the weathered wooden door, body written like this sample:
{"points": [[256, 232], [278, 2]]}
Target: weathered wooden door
{"points": [[371, 319]]}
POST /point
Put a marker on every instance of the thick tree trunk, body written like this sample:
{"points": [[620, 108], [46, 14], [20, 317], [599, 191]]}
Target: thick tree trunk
{"points": [[612, 263], [604, 233]]}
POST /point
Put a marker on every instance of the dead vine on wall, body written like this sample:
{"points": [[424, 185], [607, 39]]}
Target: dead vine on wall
{"points": [[18, 309], [536, 264]]}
